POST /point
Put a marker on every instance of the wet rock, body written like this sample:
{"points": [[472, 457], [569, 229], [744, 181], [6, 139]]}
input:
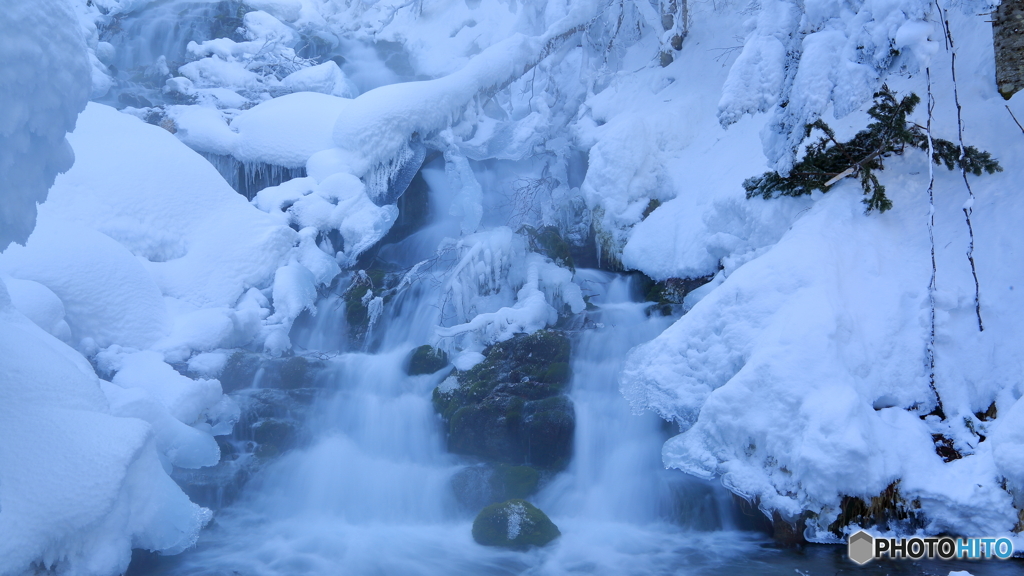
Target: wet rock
{"points": [[788, 532], [243, 368], [888, 511], [366, 286], [274, 395], [239, 371], [425, 360], [670, 292], [515, 524], [484, 484], [510, 408], [549, 242], [296, 372]]}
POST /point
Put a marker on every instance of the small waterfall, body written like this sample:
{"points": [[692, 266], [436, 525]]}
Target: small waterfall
{"points": [[369, 490]]}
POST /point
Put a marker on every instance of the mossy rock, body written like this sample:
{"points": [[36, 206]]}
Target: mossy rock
{"points": [[297, 372], [510, 408], [514, 524], [514, 481], [510, 430], [490, 429], [240, 370], [538, 358], [425, 360], [548, 429], [549, 242]]}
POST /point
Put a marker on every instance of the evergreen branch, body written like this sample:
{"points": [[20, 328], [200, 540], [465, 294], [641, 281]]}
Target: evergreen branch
{"points": [[828, 160]]}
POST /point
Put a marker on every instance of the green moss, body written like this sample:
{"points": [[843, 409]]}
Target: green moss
{"points": [[445, 403], [510, 407], [557, 372], [355, 313], [549, 242], [526, 523], [515, 481], [426, 360]]}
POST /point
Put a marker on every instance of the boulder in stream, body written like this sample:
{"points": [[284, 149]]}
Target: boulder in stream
{"points": [[511, 408], [515, 524]]}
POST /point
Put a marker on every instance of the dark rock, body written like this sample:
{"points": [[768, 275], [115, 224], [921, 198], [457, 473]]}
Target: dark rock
{"points": [[425, 360], [515, 524], [296, 372], [133, 100], [549, 242], [357, 315], [788, 533], [242, 368], [239, 371], [1008, 43], [275, 432], [549, 425], [888, 511], [484, 484], [510, 408]]}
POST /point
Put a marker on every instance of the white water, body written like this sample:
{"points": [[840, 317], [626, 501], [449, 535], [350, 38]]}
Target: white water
{"points": [[371, 494], [370, 490]]}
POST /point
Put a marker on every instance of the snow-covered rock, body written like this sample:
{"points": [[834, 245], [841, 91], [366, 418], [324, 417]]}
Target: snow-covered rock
{"points": [[45, 83]]}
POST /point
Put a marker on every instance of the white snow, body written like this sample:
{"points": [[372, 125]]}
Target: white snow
{"points": [[797, 376], [805, 360], [45, 83], [286, 131], [81, 487]]}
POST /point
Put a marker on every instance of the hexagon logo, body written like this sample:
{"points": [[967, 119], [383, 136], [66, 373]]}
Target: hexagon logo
{"points": [[861, 547]]}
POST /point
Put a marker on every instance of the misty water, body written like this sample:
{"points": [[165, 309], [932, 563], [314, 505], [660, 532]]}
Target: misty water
{"points": [[369, 489]]}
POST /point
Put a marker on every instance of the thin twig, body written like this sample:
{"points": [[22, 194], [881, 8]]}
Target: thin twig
{"points": [[1014, 118], [969, 205], [931, 241]]}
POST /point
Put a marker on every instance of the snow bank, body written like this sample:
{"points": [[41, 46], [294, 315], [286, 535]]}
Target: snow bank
{"points": [[45, 83], [80, 487], [107, 294], [773, 387], [801, 376], [198, 238], [40, 305], [286, 131]]}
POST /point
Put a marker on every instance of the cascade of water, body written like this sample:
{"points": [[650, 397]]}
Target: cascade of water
{"points": [[165, 27]]}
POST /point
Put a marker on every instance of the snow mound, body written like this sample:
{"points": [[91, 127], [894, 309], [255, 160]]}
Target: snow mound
{"points": [[45, 82], [136, 183], [81, 487], [107, 294], [287, 130]]}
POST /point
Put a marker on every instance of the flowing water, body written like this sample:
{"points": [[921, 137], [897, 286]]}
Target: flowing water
{"points": [[369, 489]]}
